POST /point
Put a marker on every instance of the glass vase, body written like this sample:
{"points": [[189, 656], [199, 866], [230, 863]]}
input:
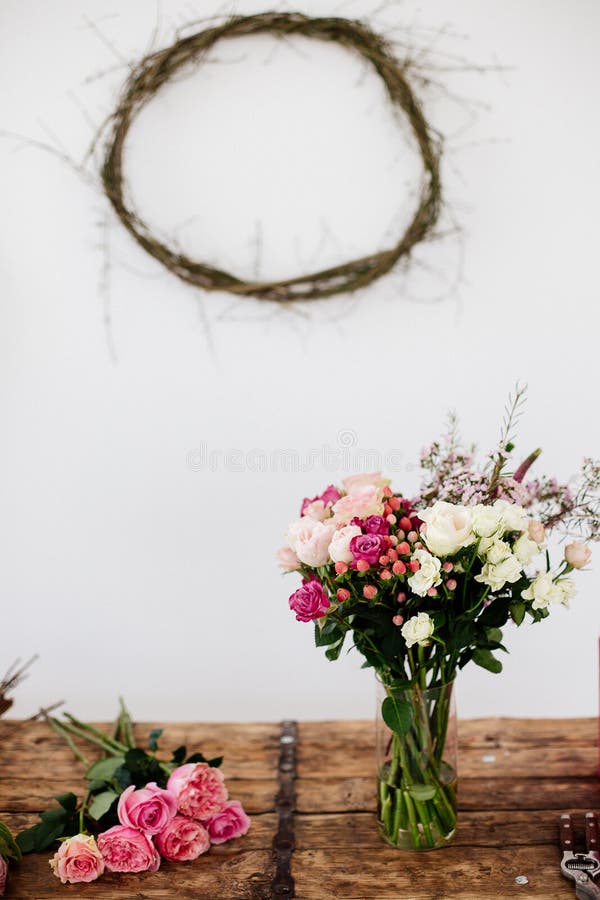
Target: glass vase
{"points": [[416, 766]]}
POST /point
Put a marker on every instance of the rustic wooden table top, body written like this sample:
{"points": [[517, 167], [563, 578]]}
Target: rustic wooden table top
{"points": [[515, 777]]}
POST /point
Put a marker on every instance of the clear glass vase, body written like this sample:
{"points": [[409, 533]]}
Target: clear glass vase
{"points": [[416, 766]]}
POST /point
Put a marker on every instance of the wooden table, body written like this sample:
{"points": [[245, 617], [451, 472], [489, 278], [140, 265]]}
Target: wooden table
{"points": [[515, 777]]}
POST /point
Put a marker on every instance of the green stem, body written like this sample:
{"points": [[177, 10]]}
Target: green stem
{"points": [[82, 810], [61, 731], [114, 748], [412, 819], [126, 726]]}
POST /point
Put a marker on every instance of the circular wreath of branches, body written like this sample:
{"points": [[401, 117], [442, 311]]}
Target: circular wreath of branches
{"points": [[156, 69]]}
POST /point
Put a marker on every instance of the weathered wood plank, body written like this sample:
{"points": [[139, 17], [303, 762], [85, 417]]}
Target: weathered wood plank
{"points": [[454, 873], [529, 828], [358, 794]]}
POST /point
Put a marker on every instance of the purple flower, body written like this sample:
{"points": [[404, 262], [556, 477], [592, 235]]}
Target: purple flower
{"points": [[377, 525], [368, 547], [310, 601]]}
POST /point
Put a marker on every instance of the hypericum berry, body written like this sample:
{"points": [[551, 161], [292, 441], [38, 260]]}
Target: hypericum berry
{"points": [[342, 594], [412, 536], [414, 565], [403, 549], [393, 540], [362, 565], [387, 509], [387, 491], [386, 575], [405, 523], [447, 566], [384, 560], [394, 503], [399, 568], [432, 592], [401, 597], [341, 567], [369, 591], [400, 535], [391, 519], [451, 584], [398, 620], [393, 554]]}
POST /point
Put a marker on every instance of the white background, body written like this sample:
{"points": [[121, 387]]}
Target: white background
{"points": [[128, 565]]}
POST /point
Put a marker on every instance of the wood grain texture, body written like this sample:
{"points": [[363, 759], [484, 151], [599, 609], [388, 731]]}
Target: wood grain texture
{"points": [[515, 777]]}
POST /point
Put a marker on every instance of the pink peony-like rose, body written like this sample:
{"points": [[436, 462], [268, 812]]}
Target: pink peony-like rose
{"points": [[330, 495], [126, 849], [199, 788], [148, 809], [364, 479], [377, 525], [313, 550], [77, 859], [339, 548], [310, 601], [287, 559], [368, 547], [3, 874], [230, 823], [315, 509], [183, 839], [363, 502], [578, 554]]}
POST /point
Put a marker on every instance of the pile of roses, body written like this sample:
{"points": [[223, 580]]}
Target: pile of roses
{"points": [[178, 823]]}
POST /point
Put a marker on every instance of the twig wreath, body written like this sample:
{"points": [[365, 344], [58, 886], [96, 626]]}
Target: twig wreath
{"points": [[156, 69]]}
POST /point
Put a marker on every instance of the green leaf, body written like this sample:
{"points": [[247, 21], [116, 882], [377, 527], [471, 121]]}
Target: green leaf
{"points": [[67, 801], [422, 791], [54, 815], [215, 762], [179, 755], [153, 739], [333, 653], [9, 848], [327, 636], [487, 660], [494, 635], [517, 612], [104, 769], [26, 839], [495, 614], [196, 757], [101, 804], [397, 714]]}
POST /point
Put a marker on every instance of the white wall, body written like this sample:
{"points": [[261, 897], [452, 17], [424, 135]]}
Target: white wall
{"points": [[129, 567]]}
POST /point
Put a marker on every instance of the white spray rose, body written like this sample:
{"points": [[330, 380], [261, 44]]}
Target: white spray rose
{"points": [[543, 591], [448, 527], [417, 630], [496, 576], [514, 517], [567, 589], [578, 554], [498, 551], [525, 549], [487, 521], [428, 574], [339, 548]]}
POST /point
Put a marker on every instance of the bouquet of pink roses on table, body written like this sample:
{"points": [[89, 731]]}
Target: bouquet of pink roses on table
{"points": [[137, 809], [424, 586]]}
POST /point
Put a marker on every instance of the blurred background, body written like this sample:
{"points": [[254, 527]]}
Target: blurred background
{"points": [[156, 441]]}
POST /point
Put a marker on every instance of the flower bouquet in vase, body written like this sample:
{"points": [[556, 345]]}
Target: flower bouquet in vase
{"points": [[424, 586]]}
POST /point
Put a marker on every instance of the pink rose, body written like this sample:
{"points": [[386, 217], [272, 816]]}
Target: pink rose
{"points": [[3, 874], [368, 547], [183, 839], [364, 479], [309, 602], [126, 849], [327, 498], [148, 809], [300, 530], [577, 554], [77, 859], [536, 531], [339, 548], [199, 788], [315, 509], [361, 503], [287, 559], [230, 823], [313, 549]]}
